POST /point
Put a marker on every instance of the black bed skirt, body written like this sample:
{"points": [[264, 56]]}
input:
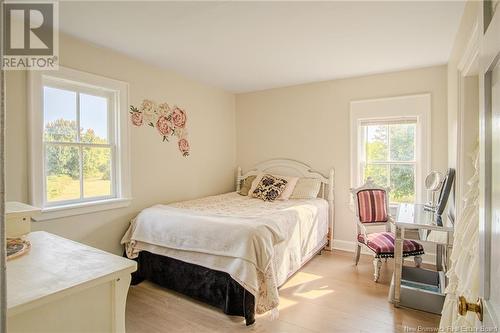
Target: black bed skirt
{"points": [[209, 286]]}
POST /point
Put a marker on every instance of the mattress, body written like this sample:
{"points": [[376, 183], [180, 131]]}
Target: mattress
{"points": [[305, 239], [305, 222]]}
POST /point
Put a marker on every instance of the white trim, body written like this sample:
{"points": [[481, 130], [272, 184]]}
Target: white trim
{"points": [[80, 208], [399, 107], [469, 63], [349, 246], [467, 66], [117, 91], [489, 55]]}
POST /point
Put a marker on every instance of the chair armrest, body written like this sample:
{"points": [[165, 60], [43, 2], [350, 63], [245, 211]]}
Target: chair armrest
{"points": [[361, 229], [390, 220]]}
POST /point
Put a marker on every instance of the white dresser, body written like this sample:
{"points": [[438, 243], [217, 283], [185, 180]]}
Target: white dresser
{"points": [[65, 286]]}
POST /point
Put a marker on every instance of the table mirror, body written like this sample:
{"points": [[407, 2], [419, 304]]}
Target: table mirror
{"points": [[434, 184]]}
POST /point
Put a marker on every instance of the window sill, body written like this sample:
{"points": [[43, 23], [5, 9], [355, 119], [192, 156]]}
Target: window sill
{"points": [[51, 213]]}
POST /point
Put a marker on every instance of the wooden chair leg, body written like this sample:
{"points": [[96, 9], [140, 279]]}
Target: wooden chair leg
{"points": [[377, 263], [418, 261], [357, 252]]}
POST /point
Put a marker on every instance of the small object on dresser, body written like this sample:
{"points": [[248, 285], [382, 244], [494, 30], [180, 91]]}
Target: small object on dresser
{"points": [[18, 224], [17, 247], [18, 218]]}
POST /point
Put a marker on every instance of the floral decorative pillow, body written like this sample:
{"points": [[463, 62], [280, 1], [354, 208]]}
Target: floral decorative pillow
{"points": [[269, 188]]}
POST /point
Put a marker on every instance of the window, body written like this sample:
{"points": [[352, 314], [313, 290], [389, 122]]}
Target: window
{"points": [[78, 150], [388, 156], [79, 159], [390, 139]]}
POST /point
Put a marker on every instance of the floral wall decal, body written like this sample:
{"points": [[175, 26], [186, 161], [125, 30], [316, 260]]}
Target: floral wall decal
{"points": [[168, 121]]}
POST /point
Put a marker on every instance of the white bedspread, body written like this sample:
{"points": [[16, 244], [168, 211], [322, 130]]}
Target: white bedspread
{"points": [[258, 243]]}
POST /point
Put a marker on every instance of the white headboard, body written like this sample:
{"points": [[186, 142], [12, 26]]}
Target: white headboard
{"points": [[287, 167]]}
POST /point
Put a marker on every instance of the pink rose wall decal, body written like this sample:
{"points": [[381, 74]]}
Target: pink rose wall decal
{"points": [[184, 147], [169, 122]]}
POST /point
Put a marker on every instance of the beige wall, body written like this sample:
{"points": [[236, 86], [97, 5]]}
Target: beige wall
{"points": [[310, 123], [159, 172]]}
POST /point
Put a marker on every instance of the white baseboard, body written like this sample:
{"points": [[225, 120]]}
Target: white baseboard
{"points": [[342, 245]]}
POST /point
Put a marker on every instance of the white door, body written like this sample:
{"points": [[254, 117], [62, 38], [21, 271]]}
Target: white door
{"points": [[490, 165]]}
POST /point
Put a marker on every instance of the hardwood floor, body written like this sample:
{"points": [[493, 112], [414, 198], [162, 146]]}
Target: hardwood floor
{"points": [[329, 294]]}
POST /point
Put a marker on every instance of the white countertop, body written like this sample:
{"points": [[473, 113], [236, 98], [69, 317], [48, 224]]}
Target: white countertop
{"points": [[57, 266]]}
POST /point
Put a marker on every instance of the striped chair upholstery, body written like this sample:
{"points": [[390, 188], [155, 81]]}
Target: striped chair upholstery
{"points": [[372, 205], [382, 244]]}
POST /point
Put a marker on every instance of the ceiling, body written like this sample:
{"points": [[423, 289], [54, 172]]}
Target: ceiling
{"points": [[248, 46]]}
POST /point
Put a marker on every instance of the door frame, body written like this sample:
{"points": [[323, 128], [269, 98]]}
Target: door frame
{"points": [[468, 66], [490, 44]]}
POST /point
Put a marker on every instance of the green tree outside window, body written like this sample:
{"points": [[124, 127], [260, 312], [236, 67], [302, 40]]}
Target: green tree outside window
{"points": [[390, 158], [63, 162]]}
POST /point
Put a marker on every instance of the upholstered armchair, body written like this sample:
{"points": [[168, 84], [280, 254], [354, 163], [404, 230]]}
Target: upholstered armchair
{"points": [[372, 209]]}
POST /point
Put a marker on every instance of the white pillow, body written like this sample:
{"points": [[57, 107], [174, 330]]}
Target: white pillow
{"points": [[306, 188], [287, 192]]}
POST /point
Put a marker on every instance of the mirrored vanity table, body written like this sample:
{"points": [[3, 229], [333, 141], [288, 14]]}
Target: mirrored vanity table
{"points": [[413, 287]]}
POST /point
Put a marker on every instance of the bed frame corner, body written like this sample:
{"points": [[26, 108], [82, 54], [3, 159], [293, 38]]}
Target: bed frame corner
{"points": [[239, 176], [331, 207]]}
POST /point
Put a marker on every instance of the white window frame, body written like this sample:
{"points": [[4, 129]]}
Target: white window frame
{"points": [[118, 131], [401, 108]]}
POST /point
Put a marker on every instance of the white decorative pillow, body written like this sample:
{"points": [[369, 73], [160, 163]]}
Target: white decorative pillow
{"points": [[269, 188], [306, 188], [290, 186], [246, 184], [287, 192]]}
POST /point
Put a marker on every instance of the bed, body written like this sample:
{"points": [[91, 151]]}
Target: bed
{"points": [[233, 251]]}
